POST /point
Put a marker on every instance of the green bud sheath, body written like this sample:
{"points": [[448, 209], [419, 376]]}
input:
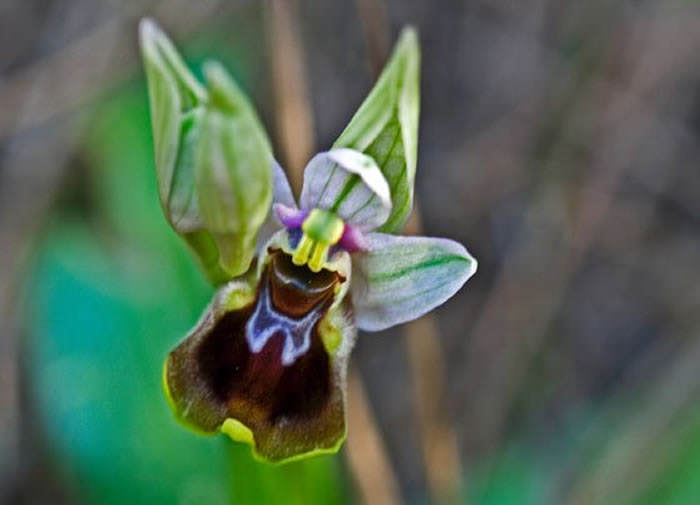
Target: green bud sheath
{"points": [[213, 158]]}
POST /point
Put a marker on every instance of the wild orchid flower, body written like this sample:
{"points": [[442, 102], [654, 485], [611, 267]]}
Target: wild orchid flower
{"points": [[266, 364]]}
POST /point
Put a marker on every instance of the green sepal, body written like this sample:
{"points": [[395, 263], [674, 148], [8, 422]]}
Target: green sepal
{"points": [[213, 159], [399, 279], [176, 100], [385, 126], [233, 173]]}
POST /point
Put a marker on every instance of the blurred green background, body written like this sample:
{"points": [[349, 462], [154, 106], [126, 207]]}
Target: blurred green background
{"points": [[559, 141]]}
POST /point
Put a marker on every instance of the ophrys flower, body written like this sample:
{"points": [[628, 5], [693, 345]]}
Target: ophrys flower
{"points": [[266, 364]]}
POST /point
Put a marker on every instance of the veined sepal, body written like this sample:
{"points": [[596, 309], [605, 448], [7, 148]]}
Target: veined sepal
{"points": [[385, 127], [399, 279], [213, 159], [349, 184]]}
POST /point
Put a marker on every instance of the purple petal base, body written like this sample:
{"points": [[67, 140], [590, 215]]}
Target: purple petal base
{"points": [[353, 240], [289, 216]]}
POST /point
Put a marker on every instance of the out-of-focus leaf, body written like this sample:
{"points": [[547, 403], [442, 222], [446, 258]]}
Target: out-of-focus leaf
{"points": [[99, 322], [509, 478], [386, 126], [678, 483]]}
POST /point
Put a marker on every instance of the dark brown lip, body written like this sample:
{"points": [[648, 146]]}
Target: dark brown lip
{"points": [[295, 290]]}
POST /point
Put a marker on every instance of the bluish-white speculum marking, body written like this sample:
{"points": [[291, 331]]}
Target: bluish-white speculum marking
{"points": [[266, 322]]}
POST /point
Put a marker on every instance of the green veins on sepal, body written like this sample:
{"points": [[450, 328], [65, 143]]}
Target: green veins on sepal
{"points": [[385, 126], [349, 184], [213, 158], [401, 278]]}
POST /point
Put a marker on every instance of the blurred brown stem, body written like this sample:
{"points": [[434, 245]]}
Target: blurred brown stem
{"points": [[366, 454], [365, 451], [295, 128], [438, 439], [374, 22]]}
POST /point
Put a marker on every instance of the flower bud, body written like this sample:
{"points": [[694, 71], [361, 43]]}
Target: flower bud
{"points": [[213, 159]]}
